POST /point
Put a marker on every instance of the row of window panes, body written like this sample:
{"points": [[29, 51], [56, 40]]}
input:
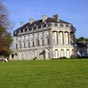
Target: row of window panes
{"points": [[56, 24], [45, 25], [35, 27], [33, 45]]}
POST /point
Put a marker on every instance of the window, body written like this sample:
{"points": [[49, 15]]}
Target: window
{"points": [[44, 25], [39, 26], [30, 29], [20, 45], [25, 29], [38, 42], [21, 30], [16, 46], [49, 24], [43, 42], [61, 25], [73, 51], [14, 33], [34, 28], [56, 24], [67, 25], [17, 31], [24, 45], [67, 53], [62, 53], [48, 41], [28, 44], [56, 53], [33, 43]]}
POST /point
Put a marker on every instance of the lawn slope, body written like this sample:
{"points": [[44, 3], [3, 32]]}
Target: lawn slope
{"points": [[66, 73]]}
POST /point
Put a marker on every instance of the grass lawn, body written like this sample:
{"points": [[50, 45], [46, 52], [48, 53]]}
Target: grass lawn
{"points": [[64, 73]]}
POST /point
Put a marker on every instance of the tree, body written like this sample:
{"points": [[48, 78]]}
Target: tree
{"points": [[5, 36], [82, 39]]}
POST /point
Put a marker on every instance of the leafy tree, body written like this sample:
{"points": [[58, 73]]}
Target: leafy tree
{"points": [[5, 36], [86, 39], [82, 39]]}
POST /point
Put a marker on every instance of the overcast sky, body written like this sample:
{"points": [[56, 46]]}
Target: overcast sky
{"points": [[73, 11]]}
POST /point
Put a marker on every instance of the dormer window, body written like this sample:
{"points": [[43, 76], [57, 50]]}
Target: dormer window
{"points": [[67, 25], [34, 27], [44, 25], [61, 25], [34, 24], [21, 30], [39, 26], [25, 29], [56, 24], [49, 24], [30, 29], [15, 33]]}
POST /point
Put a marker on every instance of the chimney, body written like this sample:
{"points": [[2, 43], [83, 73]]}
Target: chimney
{"points": [[56, 17], [21, 24], [44, 18], [31, 21]]}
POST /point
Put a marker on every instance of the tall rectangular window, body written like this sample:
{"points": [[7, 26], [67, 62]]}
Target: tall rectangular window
{"points": [[20, 45], [38, 42], [33, 43], [48, 41], [16, 46], [24, 45], [28, 44], [43, 42]]}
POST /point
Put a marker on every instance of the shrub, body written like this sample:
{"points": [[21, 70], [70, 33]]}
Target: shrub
{"points": [[63, 57]]}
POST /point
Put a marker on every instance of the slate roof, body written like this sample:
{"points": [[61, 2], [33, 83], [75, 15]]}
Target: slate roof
{"points": [[39, 22], [81, 45]]}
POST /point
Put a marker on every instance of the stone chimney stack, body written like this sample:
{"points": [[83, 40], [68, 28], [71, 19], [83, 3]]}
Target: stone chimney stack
{"points": [[31, 21], [44, 18], [21, 24], [56, 17]]}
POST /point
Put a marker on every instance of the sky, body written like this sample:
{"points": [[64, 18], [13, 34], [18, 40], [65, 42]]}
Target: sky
{"points": [[72, 11]]}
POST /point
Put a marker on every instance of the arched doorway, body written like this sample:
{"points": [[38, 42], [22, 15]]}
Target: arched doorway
{"points": [[56, 53], [67, 53], [62, 53]]}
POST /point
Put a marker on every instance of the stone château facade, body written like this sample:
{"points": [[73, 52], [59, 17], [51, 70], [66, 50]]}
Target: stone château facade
{"points": [[49, 37]]}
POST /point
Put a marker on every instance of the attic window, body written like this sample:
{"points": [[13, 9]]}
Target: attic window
{"points": [[61, 25], [39, 26], [34, 24], [49, 24], [21, 30], [67, 25], [25, 29], [17, 31], [56, 24], [44, 25], [34, 28], [30, 29]]}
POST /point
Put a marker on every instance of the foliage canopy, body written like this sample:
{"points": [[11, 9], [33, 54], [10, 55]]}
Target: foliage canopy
{"points": [[5, 36]]}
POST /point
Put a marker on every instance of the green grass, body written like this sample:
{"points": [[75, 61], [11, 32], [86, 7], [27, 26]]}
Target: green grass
{"points": [[65, 73]]}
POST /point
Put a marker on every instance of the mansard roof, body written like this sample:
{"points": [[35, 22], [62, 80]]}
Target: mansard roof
{"points": [[39, 22], [81, 45], [42, 22]]}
